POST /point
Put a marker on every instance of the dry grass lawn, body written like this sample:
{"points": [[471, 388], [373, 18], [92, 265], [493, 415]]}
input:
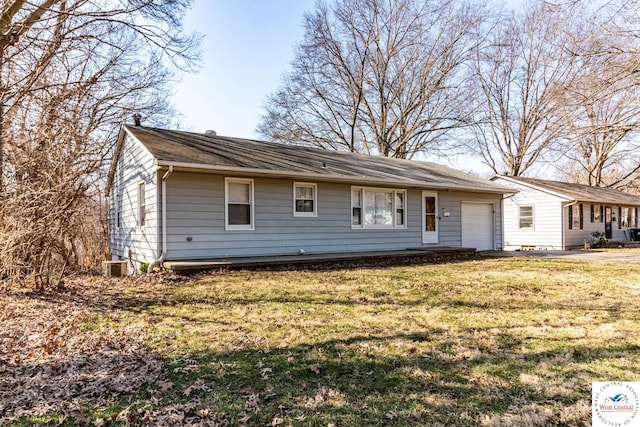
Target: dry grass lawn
{"points": [[504, 342]]}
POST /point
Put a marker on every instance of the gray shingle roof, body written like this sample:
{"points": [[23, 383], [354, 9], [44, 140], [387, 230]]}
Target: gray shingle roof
{"points": [[584, 193], [187, 149]]}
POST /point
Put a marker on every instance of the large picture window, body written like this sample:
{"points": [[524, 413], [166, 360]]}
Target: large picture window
{"points": [[305, 199], [239, 204], [378, 208]]}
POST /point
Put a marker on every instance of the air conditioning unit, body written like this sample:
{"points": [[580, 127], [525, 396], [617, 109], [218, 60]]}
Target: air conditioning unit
{"points": [[114, 268]]}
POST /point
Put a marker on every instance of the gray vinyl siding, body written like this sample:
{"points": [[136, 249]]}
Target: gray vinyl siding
{"points": [[621, 234], [196, 218], [576, 238], [134, 165]]}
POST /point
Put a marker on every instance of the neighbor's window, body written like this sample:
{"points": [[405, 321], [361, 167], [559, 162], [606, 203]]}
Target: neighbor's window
{"points": [[620, 218], [526, 216], [378, 208], [142, 208], [626, 217], [239, 204], [304, 199], [575, 217], [596, 213]]}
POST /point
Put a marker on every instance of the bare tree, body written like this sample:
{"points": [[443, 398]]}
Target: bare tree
{"points": [[73, 71], [601, 111], [375, 76], [602, 117], [34, 35], [518, 81]]}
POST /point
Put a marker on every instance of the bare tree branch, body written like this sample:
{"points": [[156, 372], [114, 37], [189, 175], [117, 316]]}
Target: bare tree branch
{"points": [[71, 73], [376, 76]]}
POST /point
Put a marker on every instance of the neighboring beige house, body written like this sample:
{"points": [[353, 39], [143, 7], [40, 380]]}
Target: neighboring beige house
{"points": [[556, 215], [177, 196]]}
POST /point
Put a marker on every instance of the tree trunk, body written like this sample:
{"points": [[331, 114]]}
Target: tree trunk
{"points": [[1, 150]]}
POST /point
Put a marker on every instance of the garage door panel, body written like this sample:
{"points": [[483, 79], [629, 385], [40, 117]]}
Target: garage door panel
{"points": [[477, 226]]}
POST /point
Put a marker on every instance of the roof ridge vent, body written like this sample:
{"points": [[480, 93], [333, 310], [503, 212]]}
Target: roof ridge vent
{"points": [[210, 132]]}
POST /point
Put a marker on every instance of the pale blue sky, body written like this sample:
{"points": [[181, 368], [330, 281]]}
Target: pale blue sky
{"points": [[247, 48]]}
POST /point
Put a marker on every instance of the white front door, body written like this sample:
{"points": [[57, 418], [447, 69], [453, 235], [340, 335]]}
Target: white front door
{"points": [[429, 217]]}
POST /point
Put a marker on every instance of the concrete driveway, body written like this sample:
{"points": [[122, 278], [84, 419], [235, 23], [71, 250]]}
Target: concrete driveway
{"points": [[622, 255]]}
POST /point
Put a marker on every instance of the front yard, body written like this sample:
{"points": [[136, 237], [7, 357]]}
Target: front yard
{"points": [[505, 342]]}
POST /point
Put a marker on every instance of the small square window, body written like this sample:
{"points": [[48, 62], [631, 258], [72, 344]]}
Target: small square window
{"points": [[526, 216]]}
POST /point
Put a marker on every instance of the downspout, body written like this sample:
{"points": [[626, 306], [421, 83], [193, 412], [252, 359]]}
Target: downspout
{"points": [[502, 233], [163, 195], [502, 242]]}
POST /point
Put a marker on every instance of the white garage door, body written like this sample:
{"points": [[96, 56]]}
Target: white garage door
{"points": [[477, 226]]}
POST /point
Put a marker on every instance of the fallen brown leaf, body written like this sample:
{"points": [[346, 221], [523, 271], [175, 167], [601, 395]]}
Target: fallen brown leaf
{"points": [[163, 386]]}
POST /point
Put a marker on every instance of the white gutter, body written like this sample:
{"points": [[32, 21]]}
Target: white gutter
{"points": [[163, 194]]}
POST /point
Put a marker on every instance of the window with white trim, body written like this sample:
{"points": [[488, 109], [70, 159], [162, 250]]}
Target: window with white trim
{"points": [[356, 207], [399, 208], [118, 209], [239, 204], [142, 207], [378, 208], [526, 216], [626, 217], [305, 199]]}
